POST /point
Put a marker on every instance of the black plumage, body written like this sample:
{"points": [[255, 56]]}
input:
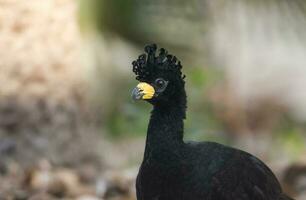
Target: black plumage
{"points": [[176, 170]]}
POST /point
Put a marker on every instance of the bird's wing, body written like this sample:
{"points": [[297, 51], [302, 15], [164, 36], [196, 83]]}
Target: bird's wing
{"points": [[245, 178]]}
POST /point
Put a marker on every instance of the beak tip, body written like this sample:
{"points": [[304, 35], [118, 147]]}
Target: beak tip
{"points": [[136, 95]]}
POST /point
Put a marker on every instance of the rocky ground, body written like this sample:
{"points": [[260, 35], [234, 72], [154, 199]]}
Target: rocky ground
{"points": [[45, 181]]}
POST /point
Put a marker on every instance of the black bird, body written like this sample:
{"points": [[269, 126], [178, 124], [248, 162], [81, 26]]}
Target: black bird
{"points": [[176, 170]]}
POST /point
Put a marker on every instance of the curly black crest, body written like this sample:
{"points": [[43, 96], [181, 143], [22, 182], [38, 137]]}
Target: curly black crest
{"points": [[148, 64]]}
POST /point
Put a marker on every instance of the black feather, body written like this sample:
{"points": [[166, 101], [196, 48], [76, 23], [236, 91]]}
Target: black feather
{"points": [[148, 64]]}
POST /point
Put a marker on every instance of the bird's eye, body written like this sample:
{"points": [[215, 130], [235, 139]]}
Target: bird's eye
{"points": [[160, 83]]}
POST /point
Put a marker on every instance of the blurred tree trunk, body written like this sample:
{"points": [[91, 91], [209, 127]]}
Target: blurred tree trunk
{"points": [[44, 111]]}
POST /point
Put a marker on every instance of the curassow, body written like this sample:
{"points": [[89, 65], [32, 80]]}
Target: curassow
{"points": [[176, 170]]}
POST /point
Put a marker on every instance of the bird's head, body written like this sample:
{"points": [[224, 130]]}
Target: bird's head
{"points": [[160, 76]]}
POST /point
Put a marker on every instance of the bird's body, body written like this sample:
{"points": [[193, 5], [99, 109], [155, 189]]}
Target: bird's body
{"points": [[176, 170]]}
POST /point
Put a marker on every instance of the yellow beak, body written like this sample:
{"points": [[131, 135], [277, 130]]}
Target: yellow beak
{"points": [[143, 91]]}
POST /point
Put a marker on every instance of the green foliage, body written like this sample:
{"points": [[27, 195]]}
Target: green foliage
{"points": [[290, 136], [129, 120], [90, 13], [201, 123], [293, 142], [106, 16]]}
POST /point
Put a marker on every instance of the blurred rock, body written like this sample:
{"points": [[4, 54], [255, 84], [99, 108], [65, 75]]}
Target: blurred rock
{"points": [[87, 173], [88, 197], [59, 182], [117, 184], [42, 196], [294, 179]]}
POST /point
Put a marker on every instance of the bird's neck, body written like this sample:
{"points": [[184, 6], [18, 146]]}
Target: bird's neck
{"points": [[166, 126]]}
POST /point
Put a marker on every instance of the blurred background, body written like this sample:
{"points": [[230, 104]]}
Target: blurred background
{"points": [[68, 127]]}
